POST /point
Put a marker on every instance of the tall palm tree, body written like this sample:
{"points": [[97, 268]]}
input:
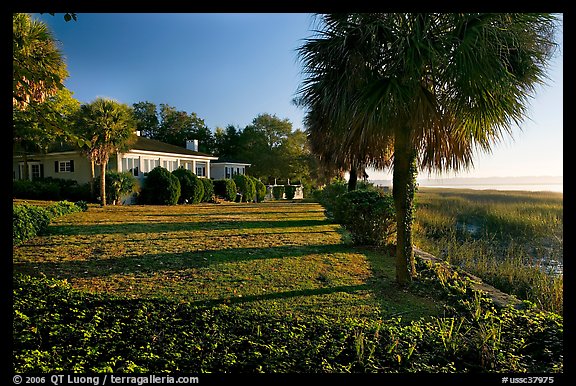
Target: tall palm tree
{"points": [[108, 127], [424, 91], [38, 67]]}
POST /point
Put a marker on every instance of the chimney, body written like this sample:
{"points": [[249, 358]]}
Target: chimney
{"points": [[192, 144]]}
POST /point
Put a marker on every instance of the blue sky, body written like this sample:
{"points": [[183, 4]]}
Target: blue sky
{"points": [[229, 68]]}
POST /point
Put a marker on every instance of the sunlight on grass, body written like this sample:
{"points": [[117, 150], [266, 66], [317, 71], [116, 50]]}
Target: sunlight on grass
{"points": [[277, 257]]}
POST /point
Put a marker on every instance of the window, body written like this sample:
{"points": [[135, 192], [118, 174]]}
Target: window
{"points": [[35, 171], [228, 172], [131, 165], [201, 169], [64, 166]]}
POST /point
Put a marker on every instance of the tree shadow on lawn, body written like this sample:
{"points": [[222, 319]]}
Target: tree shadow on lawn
{"points": [[166, 227], [163, 262]]}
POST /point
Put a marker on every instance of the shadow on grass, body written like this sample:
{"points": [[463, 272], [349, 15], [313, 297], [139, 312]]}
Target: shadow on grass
{"points": [[282, 295], [162, 262], [165, 227]]}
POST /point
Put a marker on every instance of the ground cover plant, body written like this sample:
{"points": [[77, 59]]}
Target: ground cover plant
{"points": [[233, 287]]}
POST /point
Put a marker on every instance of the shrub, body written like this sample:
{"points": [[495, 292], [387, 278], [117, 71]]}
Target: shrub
{"points": [[225, 188], [290, 191], [63, 207], [119, 185], [368, 215], [245, 187], [28, 221], [260, 189], [327, 196], [52, 189], [278, 192], [192, 188], [208, 189], [160, 187]]}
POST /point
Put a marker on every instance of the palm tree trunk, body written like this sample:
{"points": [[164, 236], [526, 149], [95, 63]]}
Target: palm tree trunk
{"points": [[403, 188], [353, 179], [103, 183], [92, 178]]}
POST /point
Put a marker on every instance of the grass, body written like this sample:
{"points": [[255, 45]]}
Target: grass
{"points": [[282, 258], [512, 240]]}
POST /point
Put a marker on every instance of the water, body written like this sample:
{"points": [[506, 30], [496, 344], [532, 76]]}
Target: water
{"points": [[518, 187]]}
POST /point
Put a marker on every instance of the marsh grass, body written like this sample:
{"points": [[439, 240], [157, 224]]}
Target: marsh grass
{"points": [[281, 258], [512, 240]]}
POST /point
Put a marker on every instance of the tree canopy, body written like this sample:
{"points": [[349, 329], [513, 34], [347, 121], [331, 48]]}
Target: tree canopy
{"points": [[419, 91]]}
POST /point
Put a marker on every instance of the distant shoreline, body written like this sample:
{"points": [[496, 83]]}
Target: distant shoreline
{"points": [[551, 184], [529, 183]]}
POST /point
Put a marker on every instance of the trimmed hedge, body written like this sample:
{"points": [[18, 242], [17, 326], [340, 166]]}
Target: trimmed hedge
{"points": [[192, 188], [245, 187], [51, 189], [290, 191], [208, 189], [30, 220], [278, 192], [368, 215], [260, 189], [225, 188], [160, 188]]}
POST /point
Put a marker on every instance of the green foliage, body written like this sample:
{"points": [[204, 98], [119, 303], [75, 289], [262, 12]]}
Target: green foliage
{"points": [[278, 192], [118, 186], [260, 189], [30, 220], [56, 328], [368, 215], [245, 187], [225, 188], [51, 189], [208, 190], [290, 191], [328, 196], [160, 187], [192, 188]]}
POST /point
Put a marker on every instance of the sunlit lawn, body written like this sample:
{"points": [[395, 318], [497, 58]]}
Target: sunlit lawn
{"points": [[281, 257]]}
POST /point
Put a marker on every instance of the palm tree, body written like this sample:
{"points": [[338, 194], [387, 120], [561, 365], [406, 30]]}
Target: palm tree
{"points": [[109, 127], [424, 91], [38, 67]]}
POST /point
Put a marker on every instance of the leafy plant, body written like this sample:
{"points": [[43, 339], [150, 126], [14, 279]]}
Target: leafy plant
{"points": [[245, 187], [208, 189], [290, 191], [160, 187], [225, 188], [278, 192], [368, 215], [191, 186]]}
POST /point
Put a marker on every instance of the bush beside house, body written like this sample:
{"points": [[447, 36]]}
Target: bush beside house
{"points": [[160, 188]]}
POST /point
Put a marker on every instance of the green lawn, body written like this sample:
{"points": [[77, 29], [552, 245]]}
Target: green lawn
{"points": [[277, 257]]}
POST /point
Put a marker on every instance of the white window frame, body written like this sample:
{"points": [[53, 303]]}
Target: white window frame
{"points": [[64, 166]]}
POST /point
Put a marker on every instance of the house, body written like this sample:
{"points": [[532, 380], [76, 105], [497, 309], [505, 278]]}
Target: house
{"points": [[227, 168], [144, 155]]}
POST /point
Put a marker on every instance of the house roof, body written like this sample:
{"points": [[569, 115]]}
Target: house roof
{"points": [[147, 144], [225, 160]]}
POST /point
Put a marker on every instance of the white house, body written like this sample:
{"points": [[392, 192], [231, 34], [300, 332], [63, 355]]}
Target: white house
{"points": [[144, 156], [223, 168]]}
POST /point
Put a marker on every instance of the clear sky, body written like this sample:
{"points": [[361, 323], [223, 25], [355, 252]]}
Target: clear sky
{"points": [[229, 68]]}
